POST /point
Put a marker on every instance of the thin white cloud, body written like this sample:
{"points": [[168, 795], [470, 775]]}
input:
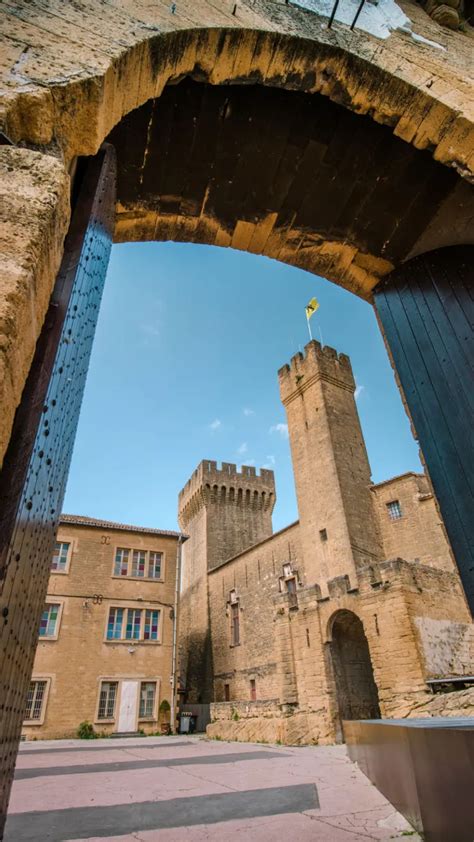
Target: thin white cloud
{"points": [[270, 463], [215, 425], [151, 330], [282, 429], [248, 412], [358, 391], [242, 449]]}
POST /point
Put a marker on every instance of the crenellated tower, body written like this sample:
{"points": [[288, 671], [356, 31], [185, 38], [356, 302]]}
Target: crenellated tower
{"points": [[224, 511], [338, 526]]}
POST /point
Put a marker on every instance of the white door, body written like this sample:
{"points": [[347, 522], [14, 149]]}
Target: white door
{"points": [[127, 720]]}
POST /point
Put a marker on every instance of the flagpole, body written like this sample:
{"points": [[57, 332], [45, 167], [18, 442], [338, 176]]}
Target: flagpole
{"points": [[309, 329]]}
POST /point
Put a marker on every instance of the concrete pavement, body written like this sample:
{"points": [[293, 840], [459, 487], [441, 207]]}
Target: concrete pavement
{"points": [[175, 789]]}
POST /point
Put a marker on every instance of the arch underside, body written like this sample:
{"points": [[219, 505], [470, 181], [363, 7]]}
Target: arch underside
{"points": [[289, 175], [72, 71]]}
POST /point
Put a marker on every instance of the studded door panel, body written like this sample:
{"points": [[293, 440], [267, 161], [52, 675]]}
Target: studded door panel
{"points": [[33, 479]]}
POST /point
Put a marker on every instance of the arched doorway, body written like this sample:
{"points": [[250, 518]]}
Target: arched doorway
{"points": [[356, 691]]}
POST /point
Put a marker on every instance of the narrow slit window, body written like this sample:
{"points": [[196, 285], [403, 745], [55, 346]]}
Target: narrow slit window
{"points": [[235, 624], [253, 690]]}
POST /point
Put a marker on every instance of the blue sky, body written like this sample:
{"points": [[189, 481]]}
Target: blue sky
{"points": [[184, 368]]}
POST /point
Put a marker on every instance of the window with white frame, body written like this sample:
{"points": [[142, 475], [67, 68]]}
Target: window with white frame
{"points": [[107, 699], [49, 621], [35, 700], [394, 510], [147, 700], [60, 557], [133, 624], [138, 564]]}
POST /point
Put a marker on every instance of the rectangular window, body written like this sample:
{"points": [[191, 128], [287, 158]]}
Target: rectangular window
{"points": [[154, 565], [132, 629], [227, 692], [138, 563], [133, 624], [151, 625], [253, 690], [49, 621], [35, 700], [235, 624], [60, 556], [292, 593], [107, 699], [115, 623], [147, 699], [394, 510], [121, 562]]}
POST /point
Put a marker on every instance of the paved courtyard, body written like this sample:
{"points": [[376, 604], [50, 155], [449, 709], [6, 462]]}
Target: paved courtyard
{"points": [[187, 788]]}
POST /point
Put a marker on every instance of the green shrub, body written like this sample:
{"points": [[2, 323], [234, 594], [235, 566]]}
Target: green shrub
{"points": [[235, 715], [86, 731]]}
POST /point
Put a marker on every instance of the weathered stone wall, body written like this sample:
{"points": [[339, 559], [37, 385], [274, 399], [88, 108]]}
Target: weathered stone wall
{"points": [[458, 703], [447, 646], [34, 216], [419, 535], [224, 511], [81, 656], [255, 576]]}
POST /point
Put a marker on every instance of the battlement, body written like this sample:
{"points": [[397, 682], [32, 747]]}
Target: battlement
{"points": [[316, 363], [210, 483]]}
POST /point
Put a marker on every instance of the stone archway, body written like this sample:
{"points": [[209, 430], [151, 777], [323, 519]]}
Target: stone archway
{"points": [[75, 71], [356, 690]]}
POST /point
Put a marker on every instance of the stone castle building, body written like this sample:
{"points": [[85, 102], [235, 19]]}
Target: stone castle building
{"points": [[104, 653], [354, 611]]}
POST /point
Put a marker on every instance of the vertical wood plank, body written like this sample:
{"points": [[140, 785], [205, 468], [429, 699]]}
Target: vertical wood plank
{"points": [[426, 311], [34, 474]]}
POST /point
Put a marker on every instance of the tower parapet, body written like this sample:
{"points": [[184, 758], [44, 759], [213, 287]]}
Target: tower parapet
{"points": [[338, 526], [224, 511], [210, 484], [317, 363]]}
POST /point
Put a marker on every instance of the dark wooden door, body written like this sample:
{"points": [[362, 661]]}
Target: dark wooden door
{"points": [[426, 308], [33, 478]]}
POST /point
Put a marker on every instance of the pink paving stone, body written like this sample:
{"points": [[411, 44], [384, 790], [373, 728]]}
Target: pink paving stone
{"points": [[351, 809]]}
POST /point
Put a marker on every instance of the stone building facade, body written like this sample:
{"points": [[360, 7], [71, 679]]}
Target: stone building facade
{"points": [[348, 613], [104, 653]]}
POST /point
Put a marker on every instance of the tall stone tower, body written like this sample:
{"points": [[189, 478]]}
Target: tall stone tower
{"points": [[339, 531], [224, 511]]}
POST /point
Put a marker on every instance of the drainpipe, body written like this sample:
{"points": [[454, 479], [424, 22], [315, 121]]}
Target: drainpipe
{"points": [[175, 635]]}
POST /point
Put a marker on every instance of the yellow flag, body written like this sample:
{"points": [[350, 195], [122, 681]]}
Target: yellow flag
{"points": [[311, 308]]}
